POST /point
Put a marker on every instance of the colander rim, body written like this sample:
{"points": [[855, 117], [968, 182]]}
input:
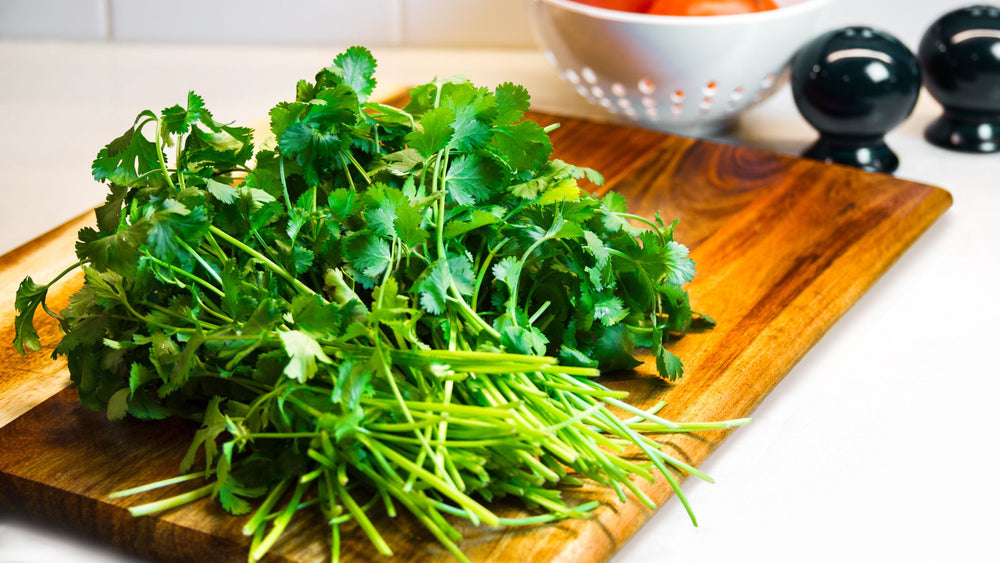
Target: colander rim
{"points": [[655, 19]]}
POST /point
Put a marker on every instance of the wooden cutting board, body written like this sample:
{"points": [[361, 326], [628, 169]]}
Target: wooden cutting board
{"points": [[783, 247]]}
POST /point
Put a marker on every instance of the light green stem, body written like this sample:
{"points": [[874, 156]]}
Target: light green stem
{"points": [[296, 283]]}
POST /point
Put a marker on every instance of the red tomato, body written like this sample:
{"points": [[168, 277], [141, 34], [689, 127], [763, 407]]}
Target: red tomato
{"points": [[621, 5], [709, 7]]}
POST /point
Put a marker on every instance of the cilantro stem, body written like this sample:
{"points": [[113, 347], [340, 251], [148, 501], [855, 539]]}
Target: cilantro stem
{"points": [[216, 249], [357, 165], [496, 411], [159, 154], [476, 511], [176, 270], [691, 426], [422, 513], [201, 260], [539, 312], [157, 485], [52, 282], [274, 436], [177, 164], [403, 406], [211, 310], [279, 525], [172, 502], [254, 523], [359, 516], [638, 218], [502, 440], [515, 282], [297, 284], [284, 183], [664, 423], [146, 318], [484, 268], [464, 309], [172, 313]]}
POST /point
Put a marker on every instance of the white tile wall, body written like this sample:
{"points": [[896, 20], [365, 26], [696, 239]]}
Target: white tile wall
{"points": [[425, 23], [64, 19], [371, 22], [482, 23]]}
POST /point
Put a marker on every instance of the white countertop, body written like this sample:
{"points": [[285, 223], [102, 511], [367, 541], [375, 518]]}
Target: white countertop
{"points": [[876, 447]]}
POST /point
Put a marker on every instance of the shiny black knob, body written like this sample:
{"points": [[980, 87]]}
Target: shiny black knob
{"points": [[960, 54], [854, 85]]}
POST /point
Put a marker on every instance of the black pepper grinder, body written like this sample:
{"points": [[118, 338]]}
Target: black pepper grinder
{"points": [[960, 54], [854, 85]]}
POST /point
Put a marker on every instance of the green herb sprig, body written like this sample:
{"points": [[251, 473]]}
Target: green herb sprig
{"points": [[402, 307]]}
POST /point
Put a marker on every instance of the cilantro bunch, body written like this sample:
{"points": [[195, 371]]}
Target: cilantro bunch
{"points": [[402, 308]]}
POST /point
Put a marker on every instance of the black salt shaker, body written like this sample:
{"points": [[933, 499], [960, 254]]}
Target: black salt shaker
{"points": [[960, 54], [854, 85]]}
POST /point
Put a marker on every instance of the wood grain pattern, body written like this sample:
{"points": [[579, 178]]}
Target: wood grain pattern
{"points": [[26, 381], [784, 247]]}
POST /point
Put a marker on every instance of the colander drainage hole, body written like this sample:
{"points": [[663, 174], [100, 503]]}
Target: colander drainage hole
{"points": [[734, 99], [646, 86], [588, 75], [677, 96]]}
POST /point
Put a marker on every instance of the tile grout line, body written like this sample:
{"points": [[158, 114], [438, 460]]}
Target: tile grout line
{"points": [[109, 29], [400, 39]]}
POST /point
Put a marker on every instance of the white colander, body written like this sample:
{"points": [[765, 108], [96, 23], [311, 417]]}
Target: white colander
{"points": [[682, 74]]}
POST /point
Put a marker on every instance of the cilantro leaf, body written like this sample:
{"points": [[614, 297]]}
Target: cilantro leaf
{"points": [[432, 286], [213, 424], [468, 180], [358, 67], [434, 133], [225, 193], [407, 226], [477, 218], [668, 365], [172, 227], [124, 159], [342, 203], [512, 101], [118, 251], [610, 311], [680, 268], [109, 214], [29, 296], [316, 317], [368, 253], [303, 354], [523, 146], [118, 404], [468, 104], [177, 119]]}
